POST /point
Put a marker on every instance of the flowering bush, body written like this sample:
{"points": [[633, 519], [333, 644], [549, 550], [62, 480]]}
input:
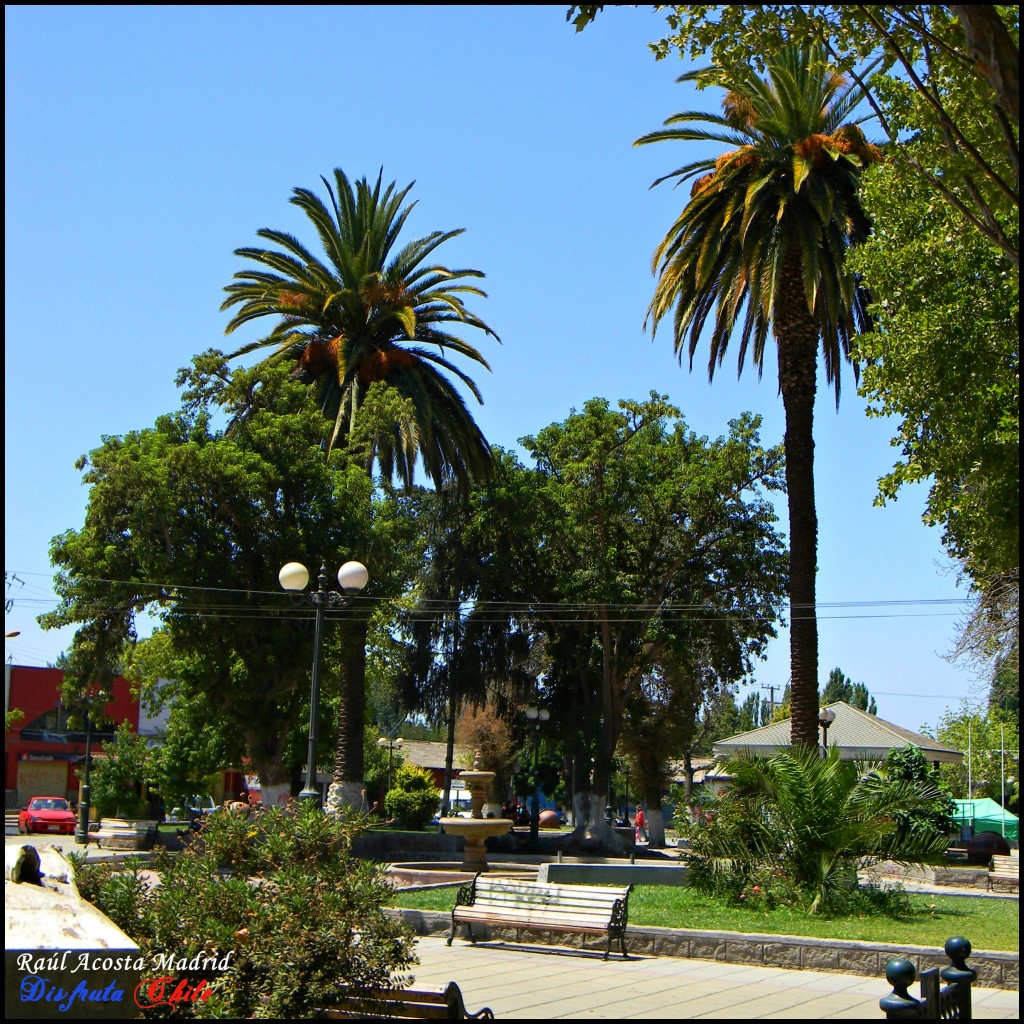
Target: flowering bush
{"points": [[298, 919]]}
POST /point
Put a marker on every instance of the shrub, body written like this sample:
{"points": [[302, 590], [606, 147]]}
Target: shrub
{"points": [[809, 819], [300, 916], [413, 799]]}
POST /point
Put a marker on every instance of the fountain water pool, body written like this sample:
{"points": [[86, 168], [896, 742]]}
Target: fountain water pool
{"points": [[444, 874]]}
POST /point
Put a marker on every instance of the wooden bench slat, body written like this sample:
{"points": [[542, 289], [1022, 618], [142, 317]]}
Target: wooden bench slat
{"points": [[542, 907], [426, 1003]]}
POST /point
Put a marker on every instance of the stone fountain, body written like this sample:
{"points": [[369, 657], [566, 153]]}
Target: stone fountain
{"points": [[476, 828]]}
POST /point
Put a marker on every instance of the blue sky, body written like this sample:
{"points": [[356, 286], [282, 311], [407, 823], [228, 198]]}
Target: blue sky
{"points": [[145, 144]]}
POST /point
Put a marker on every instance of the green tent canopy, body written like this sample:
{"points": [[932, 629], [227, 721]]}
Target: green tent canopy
{"points": [[985, 815]]}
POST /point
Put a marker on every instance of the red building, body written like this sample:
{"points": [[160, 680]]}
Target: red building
{"points": [[42, 751]]}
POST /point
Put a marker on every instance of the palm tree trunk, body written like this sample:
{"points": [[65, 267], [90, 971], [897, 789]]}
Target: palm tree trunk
{"points": [[347, 784], [797, 337]]}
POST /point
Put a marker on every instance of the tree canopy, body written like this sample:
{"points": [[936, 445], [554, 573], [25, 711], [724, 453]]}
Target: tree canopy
{"points": [[652, 547], [191, 523], [944, 364]]}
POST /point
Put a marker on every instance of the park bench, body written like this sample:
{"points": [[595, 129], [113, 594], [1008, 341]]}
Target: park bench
{"points": [[427, 1003], [507, 902], [1004, 871]]}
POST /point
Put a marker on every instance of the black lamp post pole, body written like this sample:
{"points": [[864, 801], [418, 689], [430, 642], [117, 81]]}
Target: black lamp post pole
{"points": [[537, 716], [82, 829], [319, 597], [535, 816]]}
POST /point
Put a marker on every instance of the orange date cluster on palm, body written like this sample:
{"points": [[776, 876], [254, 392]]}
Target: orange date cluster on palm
{"points": [[318, 358], [818, 149], [325, 357]]}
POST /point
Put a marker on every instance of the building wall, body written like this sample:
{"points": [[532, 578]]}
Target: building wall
{"points": [[41, 751]]}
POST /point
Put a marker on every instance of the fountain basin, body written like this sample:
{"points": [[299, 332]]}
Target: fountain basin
{"points": [[475, 831], [483, 828]]}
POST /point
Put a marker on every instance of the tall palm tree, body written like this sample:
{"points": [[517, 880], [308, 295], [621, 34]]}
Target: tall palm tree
{"points": [[370, 312], [761, 245]]}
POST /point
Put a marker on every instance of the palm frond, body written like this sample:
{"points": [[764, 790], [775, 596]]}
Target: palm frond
{"points": [[371, 296]]}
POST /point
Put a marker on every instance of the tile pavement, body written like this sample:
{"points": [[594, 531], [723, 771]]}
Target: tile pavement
{"points": [[552, 983]]}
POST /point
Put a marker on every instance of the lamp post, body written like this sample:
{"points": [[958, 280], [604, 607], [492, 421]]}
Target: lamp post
{"points": [[82, 828], [826, 716], [390, 744], [537, 716], [294, 577]]}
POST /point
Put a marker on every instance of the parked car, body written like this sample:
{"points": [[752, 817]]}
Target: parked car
{"points": [[196, 808], [47, 814]]}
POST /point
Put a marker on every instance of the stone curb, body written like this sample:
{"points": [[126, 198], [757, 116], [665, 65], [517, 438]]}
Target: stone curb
{"points": [[868, 959]]}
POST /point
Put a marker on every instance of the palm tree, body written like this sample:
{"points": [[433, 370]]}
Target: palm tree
{"points": [[364, 315], [762, 244], [367, 317], [814, 818]]}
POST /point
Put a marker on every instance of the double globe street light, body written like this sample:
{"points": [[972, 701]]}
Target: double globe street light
{"points": [[294, 577], [826, 716], [390, 745]]}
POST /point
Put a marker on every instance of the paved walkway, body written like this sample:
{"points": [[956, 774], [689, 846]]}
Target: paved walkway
{"points": [[531, 983]]}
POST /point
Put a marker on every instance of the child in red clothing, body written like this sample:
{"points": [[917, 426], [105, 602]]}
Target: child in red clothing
{"points": [[640, 822]]}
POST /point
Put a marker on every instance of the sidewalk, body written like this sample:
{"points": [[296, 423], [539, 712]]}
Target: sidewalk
{"points": [[534, 983]]}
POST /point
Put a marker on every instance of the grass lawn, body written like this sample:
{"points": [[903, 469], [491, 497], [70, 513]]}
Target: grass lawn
{"points": [[990, 924]]}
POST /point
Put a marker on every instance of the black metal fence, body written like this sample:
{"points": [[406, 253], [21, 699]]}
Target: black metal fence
{"points": [[945, 992]]}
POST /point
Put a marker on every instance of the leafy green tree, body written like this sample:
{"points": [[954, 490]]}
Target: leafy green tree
{"points": [[364, 316], [990, 743], [192, 524], [910, 765], [944, 365], [762, 246], [754, 712], [842, 687], [1004, 693], [651, 547], [198, 739], [813, 819], [118, 779]]}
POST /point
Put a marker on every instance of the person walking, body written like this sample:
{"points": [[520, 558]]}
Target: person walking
{"points": [[641, 825]]}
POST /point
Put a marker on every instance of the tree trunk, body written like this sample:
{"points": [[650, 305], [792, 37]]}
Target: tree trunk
{"points": [[655, 817], [348, 783], [592, 833], [266, 751], [994, 53], [797, 335]]}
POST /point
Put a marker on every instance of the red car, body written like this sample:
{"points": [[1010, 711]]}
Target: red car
{"points": [[47, 814]]}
